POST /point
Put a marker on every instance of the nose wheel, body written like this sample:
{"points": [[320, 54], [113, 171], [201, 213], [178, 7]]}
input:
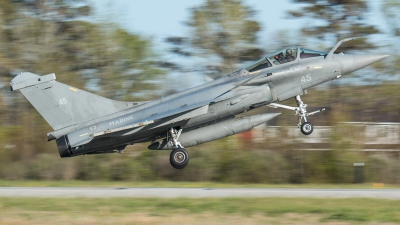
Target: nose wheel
{"points": [[306, 128]]}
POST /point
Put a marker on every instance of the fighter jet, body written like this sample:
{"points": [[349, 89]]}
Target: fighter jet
{"points": [[85, 123]]}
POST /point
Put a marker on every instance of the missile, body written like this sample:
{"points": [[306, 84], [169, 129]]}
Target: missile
{"points": [[215, 131]]}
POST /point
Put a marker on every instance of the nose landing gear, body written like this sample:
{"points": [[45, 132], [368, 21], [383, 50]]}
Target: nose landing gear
{"points": [[306, 128]]}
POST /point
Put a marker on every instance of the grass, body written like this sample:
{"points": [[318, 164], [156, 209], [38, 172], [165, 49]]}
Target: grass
{"points": [[194, 211], [171, 184], [197, 211]]}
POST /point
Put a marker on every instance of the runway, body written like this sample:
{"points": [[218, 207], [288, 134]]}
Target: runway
{"points": [[67, 192]]}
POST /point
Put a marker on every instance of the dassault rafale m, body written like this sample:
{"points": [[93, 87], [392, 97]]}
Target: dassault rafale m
{"points": [[85, 123]]}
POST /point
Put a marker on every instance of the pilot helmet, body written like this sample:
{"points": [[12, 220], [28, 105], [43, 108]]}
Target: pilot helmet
{"points": [[288, 51]]}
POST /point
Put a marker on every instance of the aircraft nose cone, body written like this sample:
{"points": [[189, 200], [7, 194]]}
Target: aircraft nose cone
{"points": [[352, 63], [361, 61]]}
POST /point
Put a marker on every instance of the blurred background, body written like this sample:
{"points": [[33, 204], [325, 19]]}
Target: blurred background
{"points": [[142, 50]]}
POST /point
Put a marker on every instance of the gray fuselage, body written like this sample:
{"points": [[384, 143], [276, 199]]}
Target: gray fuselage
{"points": [[209, 103]]}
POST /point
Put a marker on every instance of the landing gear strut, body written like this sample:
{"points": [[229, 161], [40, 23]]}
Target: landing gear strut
{"points": [[179, 157], [174, 134], [306, 128]]}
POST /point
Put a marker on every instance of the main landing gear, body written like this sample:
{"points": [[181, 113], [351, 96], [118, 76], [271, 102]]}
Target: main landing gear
{"points": [[179, 157], [306, 128]]}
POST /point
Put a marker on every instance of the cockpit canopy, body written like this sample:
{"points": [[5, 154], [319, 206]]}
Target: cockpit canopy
{"points": [[284, 56], [259, 65], [307, 53]]}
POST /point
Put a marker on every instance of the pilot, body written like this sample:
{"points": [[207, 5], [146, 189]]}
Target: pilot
{"points": [[289, 55], [280, 58]]}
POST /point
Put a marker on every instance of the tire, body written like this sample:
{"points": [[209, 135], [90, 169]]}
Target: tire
{"points": [[307, 128], [179, 158]]}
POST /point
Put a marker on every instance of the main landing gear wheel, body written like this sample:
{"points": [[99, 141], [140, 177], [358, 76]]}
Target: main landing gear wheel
{"points": [[307, 128], [179, 158]]}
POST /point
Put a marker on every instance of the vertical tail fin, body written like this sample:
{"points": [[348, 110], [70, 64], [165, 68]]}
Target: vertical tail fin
{"points": [[62, 105]]}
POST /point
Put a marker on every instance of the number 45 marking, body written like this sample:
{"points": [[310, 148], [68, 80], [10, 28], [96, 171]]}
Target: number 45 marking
{"points": [[306, 78], [62, 101]]}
